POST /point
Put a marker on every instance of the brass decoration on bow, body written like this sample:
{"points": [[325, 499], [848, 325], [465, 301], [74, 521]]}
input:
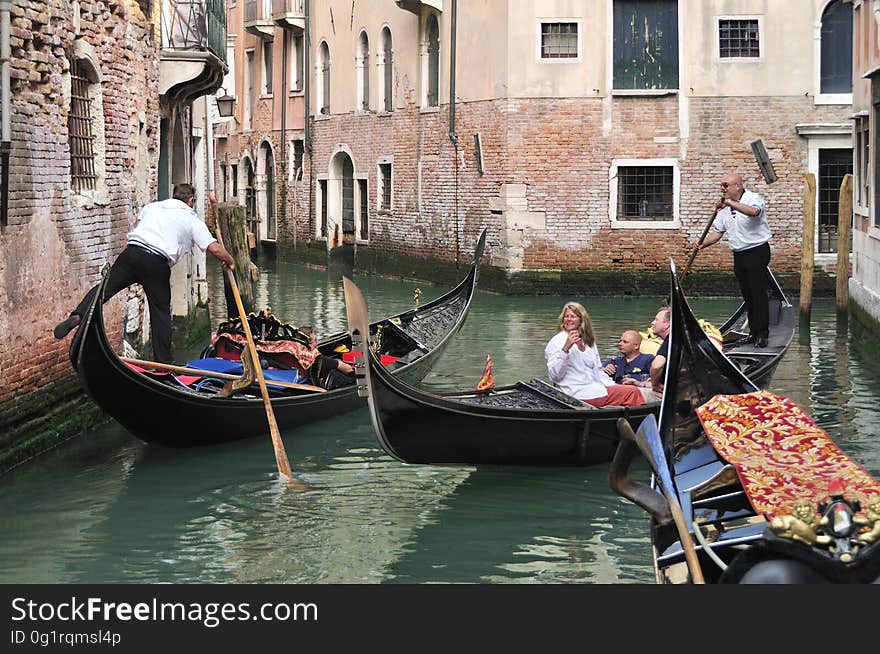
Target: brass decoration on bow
{"points": [[417, 297], [833, 526], [800, 525], [871, 521]]}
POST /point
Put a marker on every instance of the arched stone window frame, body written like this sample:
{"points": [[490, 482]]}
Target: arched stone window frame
{"points": [[821, 97], [429, 55], [362, 72], [322, 78], [83, 54], [385, 70]]}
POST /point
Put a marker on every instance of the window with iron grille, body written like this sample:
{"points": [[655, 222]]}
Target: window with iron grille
{"points": [[738, 38], [559, 40], [645, 193], [385, 179], [79, 129], [834, 164], [645, 44]]}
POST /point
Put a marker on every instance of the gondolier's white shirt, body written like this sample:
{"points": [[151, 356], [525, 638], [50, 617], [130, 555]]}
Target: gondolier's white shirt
{"points": [[170, 227], [744, 232], [577, 373]]}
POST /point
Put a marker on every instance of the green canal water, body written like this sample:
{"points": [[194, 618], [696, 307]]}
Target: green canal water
{"points": [[105, 508]]}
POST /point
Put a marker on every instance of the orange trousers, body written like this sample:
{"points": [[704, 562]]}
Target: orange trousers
{"points": [[619, 395]]}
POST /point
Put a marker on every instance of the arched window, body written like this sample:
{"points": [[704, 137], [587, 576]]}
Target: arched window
{"points": [[324, 78], [362, 65], [269, 192], [85, 123], [432, 50], [385, 63], [835, 75]]}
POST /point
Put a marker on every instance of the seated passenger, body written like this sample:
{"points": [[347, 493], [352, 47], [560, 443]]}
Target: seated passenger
{"points": [[324, 368], [573, 362], [660, 325], [632, 368]]}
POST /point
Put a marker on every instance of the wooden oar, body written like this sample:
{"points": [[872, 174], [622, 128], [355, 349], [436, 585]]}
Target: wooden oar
{"points": [[693, 256], [155, 365], [648, 440], [277, 443]]}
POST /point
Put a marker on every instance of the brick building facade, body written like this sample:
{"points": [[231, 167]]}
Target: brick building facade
{"points": [[90, 143], [557, 121]]}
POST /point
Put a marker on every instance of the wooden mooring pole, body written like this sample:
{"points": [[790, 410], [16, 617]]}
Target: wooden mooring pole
{"points": [[807, 245], [844, 228]]}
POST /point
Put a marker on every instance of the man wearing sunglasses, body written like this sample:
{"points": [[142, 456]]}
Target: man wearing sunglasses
{"points": [[740, 213]]}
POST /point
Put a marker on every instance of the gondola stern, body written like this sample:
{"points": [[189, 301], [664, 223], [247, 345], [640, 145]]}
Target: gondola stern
{"points": [[359, 331]]}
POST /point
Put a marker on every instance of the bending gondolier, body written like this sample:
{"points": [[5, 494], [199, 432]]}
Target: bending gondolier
{"points": [[741, 214], [165, 231]]}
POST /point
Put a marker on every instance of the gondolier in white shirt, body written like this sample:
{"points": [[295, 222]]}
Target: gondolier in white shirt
{"points": [[165, 231], [740, 213]]}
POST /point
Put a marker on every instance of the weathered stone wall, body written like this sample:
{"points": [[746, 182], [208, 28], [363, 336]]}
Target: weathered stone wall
{"points": [[57, 241]]}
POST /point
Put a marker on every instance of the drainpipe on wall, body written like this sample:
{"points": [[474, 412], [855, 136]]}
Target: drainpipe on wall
{"points": [[6, 109], [209, 143], [283, 149], [452, 135], [307, 112]]}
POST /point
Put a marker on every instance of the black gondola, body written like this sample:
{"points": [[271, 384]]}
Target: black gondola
{"points": [[527, 423], [704, 525], [160, 410]]}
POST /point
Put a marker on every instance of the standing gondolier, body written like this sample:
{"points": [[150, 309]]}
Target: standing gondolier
{"points": [[165, 231], [741, 214]]}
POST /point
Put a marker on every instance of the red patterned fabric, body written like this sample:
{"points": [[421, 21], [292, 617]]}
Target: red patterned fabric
{"points": [[779, 452], [292, 351]]}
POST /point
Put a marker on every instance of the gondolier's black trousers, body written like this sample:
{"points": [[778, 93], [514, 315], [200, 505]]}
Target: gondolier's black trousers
{"points": [[152, 272], [750, 268]]}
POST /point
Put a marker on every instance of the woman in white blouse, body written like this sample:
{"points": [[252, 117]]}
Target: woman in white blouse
{"points": [[573, 362]]}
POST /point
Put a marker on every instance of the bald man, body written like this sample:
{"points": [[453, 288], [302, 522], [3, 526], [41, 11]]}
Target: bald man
{"points": [[740, 214], [631, 367]]}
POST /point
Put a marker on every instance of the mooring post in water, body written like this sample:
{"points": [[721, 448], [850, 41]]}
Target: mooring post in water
{"points": [[808, 247], [231, 219], [844, 227]]}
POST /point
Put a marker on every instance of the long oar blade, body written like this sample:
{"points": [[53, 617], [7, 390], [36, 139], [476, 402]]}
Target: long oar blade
{"points": [[651, 445]]}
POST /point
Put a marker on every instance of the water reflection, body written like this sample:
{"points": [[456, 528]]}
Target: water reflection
{"points": [[104, 508]]}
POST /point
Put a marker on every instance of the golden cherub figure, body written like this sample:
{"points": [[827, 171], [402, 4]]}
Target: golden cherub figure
{"points": [[872, 513], [800, 525]]}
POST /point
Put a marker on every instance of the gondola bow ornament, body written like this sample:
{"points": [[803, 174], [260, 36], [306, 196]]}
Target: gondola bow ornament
{"points": [[487, 379]]}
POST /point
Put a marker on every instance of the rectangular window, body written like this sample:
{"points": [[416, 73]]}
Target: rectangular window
{"points": [[559, 40], [833, 165], [267, 67], [645, 193], [249, 90], [322, 188], [80, 135], [296, 62], [860, 165], [645, 44], [365, 209], [234, 175], [385, 186], [297, 158], [738, 38]]}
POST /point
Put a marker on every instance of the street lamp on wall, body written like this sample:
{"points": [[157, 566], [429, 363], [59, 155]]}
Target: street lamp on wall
{"points": [[225, 104]]}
